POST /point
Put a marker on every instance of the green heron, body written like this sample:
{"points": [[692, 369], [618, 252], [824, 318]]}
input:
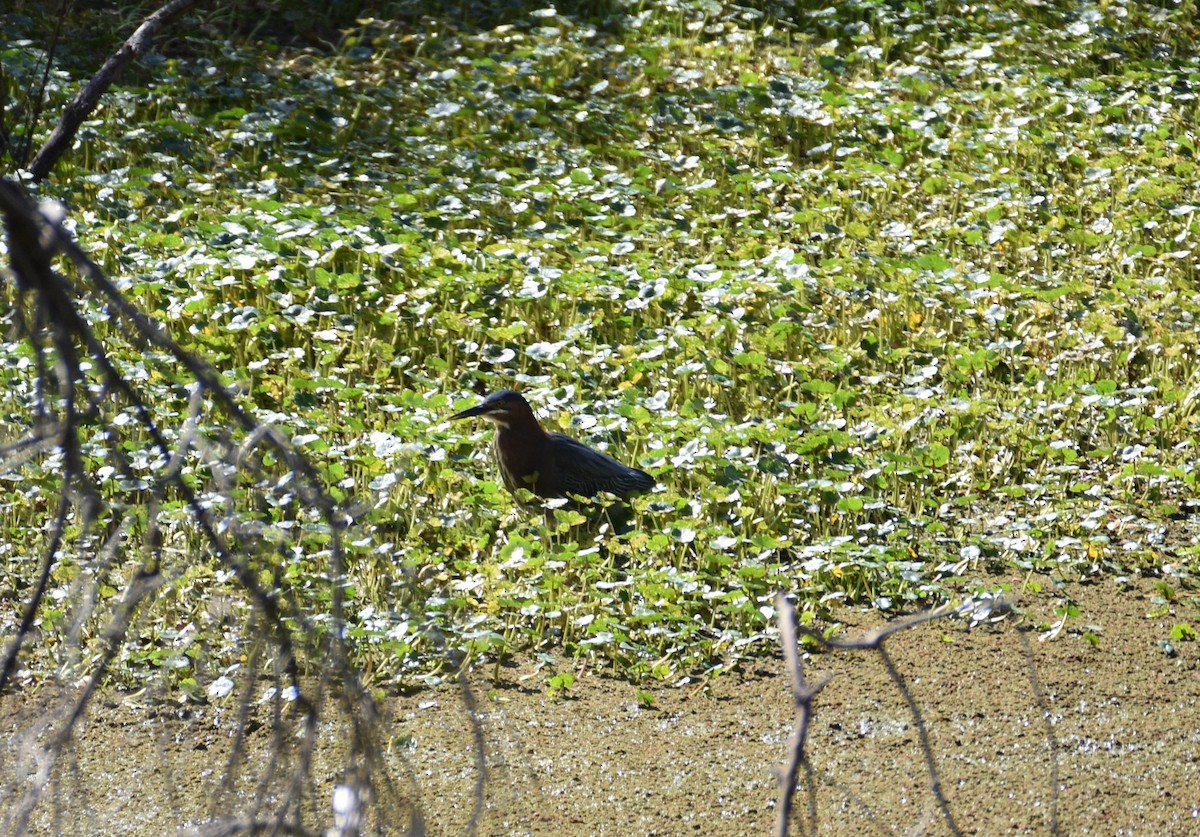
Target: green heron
{"points": [[550, 464]]}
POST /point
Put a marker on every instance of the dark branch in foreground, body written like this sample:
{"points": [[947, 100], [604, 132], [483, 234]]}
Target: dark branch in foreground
{"points": [[216, 460]]}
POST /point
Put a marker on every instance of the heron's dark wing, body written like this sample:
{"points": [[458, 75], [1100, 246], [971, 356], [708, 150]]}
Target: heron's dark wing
{"points": [[580, 470]]}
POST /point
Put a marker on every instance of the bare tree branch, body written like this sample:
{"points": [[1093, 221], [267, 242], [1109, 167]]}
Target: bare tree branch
{"points": [[85, 100], [803, 695], [210, 474], [984, 608]]}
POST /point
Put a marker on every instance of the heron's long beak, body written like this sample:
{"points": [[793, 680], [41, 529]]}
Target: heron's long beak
{"points": [[477, 410]]}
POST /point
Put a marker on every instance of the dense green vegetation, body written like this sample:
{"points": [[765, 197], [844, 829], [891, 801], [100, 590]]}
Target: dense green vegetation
{"points": [[890, 297]]}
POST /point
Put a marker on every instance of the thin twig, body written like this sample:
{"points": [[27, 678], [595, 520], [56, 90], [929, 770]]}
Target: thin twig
{"points": [[85, 101], [803, 695], [1051, 740], [935, 781], [39, 102], [989, 607]]}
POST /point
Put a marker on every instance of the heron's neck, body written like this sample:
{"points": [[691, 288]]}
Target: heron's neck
{"points": [[527, 432]]}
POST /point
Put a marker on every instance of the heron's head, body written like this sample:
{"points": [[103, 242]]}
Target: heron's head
{"points": [[504, 408]]}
